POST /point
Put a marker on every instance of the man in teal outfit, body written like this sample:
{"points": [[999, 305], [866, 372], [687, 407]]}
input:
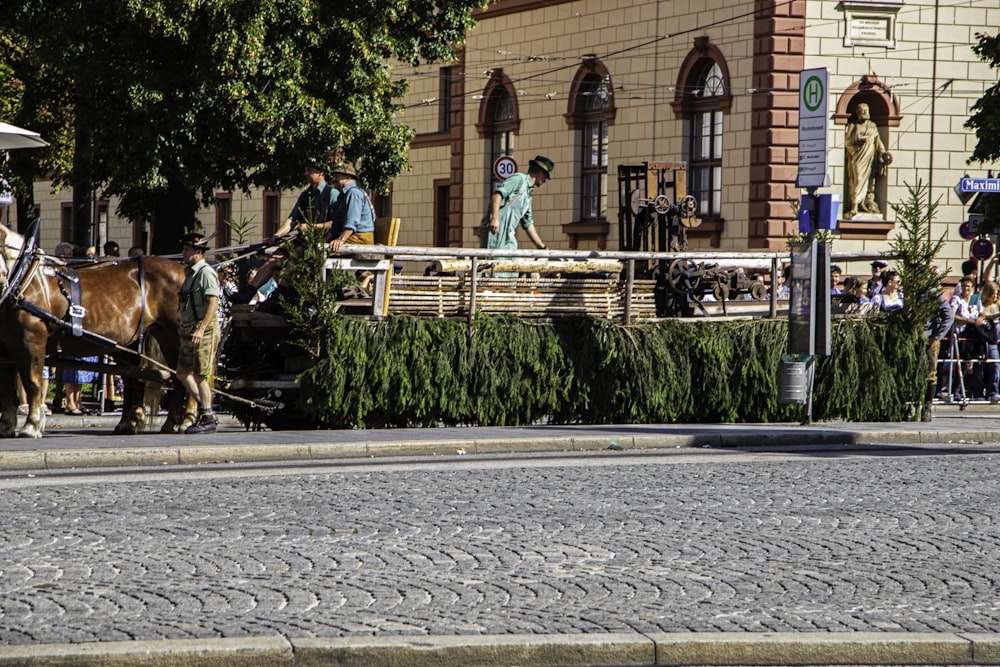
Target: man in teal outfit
{"points": [[510, 205]]}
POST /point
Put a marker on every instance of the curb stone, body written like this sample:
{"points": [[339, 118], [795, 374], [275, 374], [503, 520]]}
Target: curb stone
{"points": [[54, 455], [222, 652], [584, 650]]}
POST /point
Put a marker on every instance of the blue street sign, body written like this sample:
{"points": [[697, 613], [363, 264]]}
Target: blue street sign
{"points": [[980, 185]]}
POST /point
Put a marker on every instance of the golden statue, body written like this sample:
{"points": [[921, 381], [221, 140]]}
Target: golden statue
{"points": [[867, 159]]}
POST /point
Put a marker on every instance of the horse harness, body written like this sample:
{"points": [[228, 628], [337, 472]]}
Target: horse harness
{"points": [[73, 321], [76, 312], [68, 281], [24, 270]]}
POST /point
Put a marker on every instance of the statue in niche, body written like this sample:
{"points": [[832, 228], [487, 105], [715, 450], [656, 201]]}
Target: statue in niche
{"points": [[867, 160]]}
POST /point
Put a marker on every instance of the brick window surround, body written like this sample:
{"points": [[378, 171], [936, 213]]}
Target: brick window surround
{"points": [[590, 112]]}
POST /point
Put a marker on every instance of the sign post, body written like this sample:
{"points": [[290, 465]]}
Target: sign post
{"points": [[809, 304], [814, 126], [808, 323]]}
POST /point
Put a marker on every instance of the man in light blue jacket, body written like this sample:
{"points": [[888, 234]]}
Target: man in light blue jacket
{"points": [[510, 206]]}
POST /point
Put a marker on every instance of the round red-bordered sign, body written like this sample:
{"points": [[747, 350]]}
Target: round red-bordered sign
{"points": [[504, 167], [965, 231], [982, 249]]}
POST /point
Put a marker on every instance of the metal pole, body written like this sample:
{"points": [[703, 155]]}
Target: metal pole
{"points": [[930, 152], [472, 292], [810, 372], [774, 291], [629, 285]]}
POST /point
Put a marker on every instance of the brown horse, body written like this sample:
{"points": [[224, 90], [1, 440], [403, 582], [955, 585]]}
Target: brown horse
{"points": [[120, 303]]}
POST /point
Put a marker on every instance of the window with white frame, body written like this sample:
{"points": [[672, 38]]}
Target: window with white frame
{"points": [[594, 150], [502, 123], [705, 124]]}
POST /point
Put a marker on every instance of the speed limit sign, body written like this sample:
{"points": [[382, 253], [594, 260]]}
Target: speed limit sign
{"points": [[504, 167]]}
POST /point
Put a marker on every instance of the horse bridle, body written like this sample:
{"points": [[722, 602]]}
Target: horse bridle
{"points": [[21, 271]]}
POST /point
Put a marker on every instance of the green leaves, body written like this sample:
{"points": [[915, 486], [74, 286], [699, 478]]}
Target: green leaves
{"points": [[405, 371], [916, 251], [209, 95], [985, 119]]}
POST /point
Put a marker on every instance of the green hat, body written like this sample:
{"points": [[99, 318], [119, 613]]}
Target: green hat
{"points": [[346, 168], [195, 240], [543, 163]]}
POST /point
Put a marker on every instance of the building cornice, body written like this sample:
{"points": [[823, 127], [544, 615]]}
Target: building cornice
{"points": [[502, 7]]}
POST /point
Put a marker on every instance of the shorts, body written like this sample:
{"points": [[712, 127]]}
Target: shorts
{"points": [[366, 238], [80, 377], [199, 359]]}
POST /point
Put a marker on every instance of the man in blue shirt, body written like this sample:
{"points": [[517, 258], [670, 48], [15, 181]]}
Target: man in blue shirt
{"points": [[353, 216], [313, 210]]}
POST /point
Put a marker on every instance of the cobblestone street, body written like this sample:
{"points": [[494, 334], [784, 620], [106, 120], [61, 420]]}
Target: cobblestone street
{"points": [[702, 542]]}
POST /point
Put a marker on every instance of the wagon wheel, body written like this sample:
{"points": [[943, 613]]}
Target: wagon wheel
{"points": [[289, 417], [683, 276], [720, 292], [689, 206], [758, 291], [661, 204]]}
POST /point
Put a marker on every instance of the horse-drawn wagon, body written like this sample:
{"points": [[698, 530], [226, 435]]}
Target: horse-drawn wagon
{"points": [[51, 310]]}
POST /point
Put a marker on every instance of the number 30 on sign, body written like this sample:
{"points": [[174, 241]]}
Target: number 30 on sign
{"points": [[504, 166]]}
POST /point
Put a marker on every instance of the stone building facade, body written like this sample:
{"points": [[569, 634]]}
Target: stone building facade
{"points": [[598, 84], [594, 84]]}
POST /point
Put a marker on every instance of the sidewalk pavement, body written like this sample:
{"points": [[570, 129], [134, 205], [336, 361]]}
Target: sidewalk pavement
{"points": [[85, 442]]}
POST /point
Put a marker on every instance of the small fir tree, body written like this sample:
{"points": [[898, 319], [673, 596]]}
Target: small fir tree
{"points": [[916, 251]]}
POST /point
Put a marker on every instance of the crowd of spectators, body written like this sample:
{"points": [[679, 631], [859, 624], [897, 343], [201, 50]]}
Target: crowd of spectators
{"points": [[969, 360], [969, 364]]}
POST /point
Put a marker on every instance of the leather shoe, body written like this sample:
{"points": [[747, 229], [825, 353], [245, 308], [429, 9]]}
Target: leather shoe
{"points": [[205, 424]]}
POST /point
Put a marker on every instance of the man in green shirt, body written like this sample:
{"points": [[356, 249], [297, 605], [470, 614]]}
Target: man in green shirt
{"points": [[313, 209], [199, 305]]}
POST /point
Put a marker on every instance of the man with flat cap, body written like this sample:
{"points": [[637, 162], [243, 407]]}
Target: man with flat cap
{"points": [[510, 206], [353, 216], [313, 209], [199, 305]]}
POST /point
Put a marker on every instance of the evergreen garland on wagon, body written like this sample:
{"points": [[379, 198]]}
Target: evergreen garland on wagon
{"points": [[405, 371]]}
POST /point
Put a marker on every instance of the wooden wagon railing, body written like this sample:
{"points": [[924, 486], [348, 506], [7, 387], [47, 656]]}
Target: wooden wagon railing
{"points": [[549, 283]]}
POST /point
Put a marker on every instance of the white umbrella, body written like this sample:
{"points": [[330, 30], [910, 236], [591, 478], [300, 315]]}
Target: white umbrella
{"points": [[12, 136]]}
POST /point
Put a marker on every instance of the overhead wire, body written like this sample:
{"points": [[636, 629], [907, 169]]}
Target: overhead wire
{"points": [[647, 91]]}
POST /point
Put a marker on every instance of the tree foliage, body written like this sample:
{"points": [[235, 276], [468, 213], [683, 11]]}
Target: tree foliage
{"points": [[985, 119], [188, 97], [917, 251], [29, 97]]}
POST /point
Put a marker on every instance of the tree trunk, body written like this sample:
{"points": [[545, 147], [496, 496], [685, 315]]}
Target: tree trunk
{"points": [[175, 212], [24, 196], [83, 182]]}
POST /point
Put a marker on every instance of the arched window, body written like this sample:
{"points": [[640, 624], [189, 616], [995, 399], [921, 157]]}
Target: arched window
{"points": [[702, 98], [705, 152], [590, 112], [594, 151], [498, 121]]}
